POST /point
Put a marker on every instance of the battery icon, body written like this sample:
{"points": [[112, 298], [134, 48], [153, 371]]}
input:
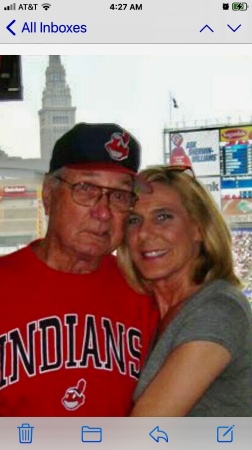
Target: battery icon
{"points": [[239, 6]]}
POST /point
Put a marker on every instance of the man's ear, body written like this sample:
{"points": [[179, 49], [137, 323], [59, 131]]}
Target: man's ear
{"points": [[46, 195]]}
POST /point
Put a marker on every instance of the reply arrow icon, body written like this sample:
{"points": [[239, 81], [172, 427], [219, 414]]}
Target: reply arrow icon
{"points": [[157, 434]]}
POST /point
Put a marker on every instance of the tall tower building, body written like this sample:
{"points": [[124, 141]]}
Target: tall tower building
{"points": [[57, 114]]}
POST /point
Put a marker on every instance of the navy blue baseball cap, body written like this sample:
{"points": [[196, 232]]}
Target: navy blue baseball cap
{"points": [[97, 146]]}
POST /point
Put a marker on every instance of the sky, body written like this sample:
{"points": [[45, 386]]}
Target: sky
{"points": [[132, 86]]}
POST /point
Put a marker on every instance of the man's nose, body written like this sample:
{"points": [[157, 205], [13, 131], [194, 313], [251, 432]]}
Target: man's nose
{"points": [[101, 210]]}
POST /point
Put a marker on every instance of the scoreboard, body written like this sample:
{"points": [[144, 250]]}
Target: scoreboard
{"points": [[222, 155], [236, 159], [236, 187]]}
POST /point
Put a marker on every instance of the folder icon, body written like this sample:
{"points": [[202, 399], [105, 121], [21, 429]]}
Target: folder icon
{"points": [[90, 434]]}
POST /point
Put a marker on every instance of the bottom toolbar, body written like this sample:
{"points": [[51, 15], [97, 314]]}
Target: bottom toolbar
{"points": [[124, 433]]}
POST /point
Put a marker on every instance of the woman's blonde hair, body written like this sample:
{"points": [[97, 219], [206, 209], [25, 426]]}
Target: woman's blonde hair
{"points": [[215, 260]]}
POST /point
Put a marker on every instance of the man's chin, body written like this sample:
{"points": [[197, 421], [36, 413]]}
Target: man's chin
{"points": [[95, 247], [93, 252]]}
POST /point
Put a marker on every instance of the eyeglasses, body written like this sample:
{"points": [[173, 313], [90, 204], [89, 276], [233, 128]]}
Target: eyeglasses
{"points": [[87, 194], [183, 169]]}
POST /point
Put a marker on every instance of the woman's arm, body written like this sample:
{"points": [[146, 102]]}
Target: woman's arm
{"points": [[185, 376]]}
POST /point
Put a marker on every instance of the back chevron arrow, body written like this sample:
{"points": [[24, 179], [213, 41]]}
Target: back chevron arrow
{"points": [[9, 27]]}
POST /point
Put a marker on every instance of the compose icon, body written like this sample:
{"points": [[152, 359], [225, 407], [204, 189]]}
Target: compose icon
{"points": [[91, 434], [25, 433], [225, 434]]}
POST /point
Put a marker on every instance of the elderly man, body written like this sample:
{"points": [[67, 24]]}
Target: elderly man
{"points": [[73, 334]]}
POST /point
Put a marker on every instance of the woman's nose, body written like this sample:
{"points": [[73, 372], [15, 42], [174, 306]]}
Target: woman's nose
{"points": [[145, 230]]}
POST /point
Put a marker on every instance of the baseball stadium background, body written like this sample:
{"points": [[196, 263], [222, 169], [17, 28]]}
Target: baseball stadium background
{"points": [[222, 160]]}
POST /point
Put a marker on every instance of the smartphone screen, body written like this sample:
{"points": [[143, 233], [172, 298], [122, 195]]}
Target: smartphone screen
{"points": [[141, 85]]}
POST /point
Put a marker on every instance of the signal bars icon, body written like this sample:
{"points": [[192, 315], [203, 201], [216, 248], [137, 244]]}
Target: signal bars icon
{"points": [[10, 7], [46, 6]]}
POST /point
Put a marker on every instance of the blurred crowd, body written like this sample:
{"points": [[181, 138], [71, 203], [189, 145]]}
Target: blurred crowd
{"points": [[242, 251]]}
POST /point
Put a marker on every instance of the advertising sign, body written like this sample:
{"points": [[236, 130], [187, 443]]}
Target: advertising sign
{"points": [[237, 209], [16, 191], [213, 185], [235, 134], [199, 149]]}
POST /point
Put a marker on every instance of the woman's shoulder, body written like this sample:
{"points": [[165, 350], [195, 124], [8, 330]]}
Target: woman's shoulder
{"points": [[222, 294], [219, 312]]}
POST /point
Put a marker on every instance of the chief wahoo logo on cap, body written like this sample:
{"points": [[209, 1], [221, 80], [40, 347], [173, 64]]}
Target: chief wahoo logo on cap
{"points": [[118, 146]]}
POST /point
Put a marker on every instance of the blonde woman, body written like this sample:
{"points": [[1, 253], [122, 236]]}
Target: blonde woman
{"points": [[178, 249]]}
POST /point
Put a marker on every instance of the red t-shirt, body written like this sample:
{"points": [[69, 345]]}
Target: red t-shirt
{"points": [[70, 344]]}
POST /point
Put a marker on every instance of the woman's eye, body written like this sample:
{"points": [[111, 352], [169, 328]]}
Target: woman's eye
{"points": [[161, 217], [133, 220]]}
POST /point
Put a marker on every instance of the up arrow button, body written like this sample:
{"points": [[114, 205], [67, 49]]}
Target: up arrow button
{"points": [[207, 26]]}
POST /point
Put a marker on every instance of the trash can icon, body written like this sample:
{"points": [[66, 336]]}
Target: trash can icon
{"points": [[25, 433]]}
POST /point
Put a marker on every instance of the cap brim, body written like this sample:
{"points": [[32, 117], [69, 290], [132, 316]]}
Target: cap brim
{"points": [[140, 184], [101, 166]]}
